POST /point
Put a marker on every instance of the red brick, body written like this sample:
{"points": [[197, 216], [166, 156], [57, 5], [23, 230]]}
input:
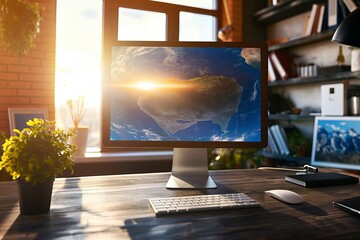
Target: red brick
{"points": [[48, 86], [33, 93], [42, 70], [3, 84], [9, 60], [18, 68], [13, 100], [8, 92], [19, 84], [36, 77], [31, 61], [9, 76], [36, 54], [39, 100], [48, 61]]}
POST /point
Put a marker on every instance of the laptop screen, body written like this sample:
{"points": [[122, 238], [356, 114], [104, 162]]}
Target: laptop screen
{"points": [[336, 142]]}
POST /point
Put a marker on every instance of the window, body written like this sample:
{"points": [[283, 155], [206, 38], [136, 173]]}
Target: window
{"points": [[206, 4], [197, 27], [141, 25], [78, 62], [79, 42]]}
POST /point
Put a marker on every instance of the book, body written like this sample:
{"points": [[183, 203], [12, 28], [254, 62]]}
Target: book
{"points": [[322, 179], [307, 17], [271, 143], [321, 18], [350, 5], [335, 13], [350, 205], [311, 20], [314, 21], [283, 64], [280, 139], [271, 72]]}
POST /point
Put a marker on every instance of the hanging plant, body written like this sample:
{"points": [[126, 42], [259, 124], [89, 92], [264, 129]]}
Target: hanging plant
{"points": [[19, 25]]}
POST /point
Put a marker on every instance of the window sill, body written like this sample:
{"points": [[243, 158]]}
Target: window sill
{"points": [[91, 157], [96, 163]]}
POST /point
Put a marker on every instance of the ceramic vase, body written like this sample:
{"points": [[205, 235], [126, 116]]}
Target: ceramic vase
{"points": [[80, 141]]}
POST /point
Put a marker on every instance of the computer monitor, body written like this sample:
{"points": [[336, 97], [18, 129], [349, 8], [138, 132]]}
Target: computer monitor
{"points": [[188, 96], [336, 142]]}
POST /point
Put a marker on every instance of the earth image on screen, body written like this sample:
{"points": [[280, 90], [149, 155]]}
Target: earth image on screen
{"points": [[185, 94]]}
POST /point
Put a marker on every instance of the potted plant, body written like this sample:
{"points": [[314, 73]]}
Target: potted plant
{"points": [[19, 25], [2, 140], [34, 157], [77, 111]]}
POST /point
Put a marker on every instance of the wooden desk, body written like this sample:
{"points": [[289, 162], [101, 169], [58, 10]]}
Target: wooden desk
{"points": [[104, 207]]}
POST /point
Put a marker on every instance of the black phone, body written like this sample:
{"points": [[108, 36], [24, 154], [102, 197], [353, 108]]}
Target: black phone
{"points": [[350, 205]]}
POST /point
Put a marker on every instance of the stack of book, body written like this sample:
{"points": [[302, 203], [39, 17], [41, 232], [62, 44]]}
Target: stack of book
{"points": [[280, 66], [328, 15], [277, 140]]}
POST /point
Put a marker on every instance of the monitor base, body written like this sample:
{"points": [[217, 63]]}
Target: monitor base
{"points": [[190, 182], [190, 169]]}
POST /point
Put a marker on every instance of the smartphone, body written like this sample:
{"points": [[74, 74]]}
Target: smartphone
{"points": [[350, 205]]}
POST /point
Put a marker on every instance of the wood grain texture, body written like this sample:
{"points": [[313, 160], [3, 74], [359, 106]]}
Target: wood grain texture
{"points": [[117, 207]]}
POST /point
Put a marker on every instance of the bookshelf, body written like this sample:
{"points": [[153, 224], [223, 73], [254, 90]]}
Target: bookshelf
{"points": [[283, 10], [276, 22], [316, 79], [300, 41]]}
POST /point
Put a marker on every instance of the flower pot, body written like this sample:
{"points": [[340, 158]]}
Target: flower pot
{"points": [[35, 199], [80, 140]]}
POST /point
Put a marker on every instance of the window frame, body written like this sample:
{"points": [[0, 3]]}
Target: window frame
{"points": [[110, 37]]}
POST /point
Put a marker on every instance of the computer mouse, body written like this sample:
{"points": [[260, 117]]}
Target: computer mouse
{"points": [[286, 196]]}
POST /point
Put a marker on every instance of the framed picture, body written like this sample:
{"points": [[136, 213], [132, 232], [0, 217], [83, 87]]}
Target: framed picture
{"points": [[336, 142], [19, 116]]}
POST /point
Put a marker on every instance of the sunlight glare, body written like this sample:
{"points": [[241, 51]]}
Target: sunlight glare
{"points": [[147, 86]]}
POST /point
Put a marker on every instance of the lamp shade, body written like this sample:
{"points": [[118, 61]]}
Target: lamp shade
{"points": [[348, 32]]}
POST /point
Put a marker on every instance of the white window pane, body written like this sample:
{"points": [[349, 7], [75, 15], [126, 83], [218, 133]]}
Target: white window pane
{"points": [[205, 4], [197, 27], [141, 25]]}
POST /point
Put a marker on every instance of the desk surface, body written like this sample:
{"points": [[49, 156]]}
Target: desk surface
{"points": [[117, 207]]}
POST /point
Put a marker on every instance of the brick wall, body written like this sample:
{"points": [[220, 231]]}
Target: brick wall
{"points": [[29, 81]]}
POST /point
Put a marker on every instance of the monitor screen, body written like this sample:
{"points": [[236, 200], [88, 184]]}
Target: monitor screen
{"points": [[185, 95], [336, 142]]}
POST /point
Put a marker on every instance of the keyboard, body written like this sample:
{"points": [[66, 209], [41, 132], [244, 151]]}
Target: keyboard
{"points": [[171, 205]]}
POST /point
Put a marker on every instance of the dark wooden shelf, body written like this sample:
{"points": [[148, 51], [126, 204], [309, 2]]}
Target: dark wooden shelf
{"points": [[300, 160], [326, 35], [316, 79], [284, 10], [290, 117]]}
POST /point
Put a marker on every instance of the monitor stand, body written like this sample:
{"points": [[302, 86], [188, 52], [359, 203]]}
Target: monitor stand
{"points": [[190, 169]]}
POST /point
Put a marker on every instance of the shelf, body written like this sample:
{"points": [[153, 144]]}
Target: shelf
{"points": [[301, 160], [316, 79], [289, 117], [326, 35], [284, 10]]}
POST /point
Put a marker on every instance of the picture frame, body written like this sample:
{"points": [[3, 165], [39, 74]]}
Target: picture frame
{"points": [[19, 116], [336, 142]]}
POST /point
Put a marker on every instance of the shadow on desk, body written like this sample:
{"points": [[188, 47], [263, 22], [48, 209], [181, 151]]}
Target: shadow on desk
{"points": [[256, 223], [54, 221]]}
